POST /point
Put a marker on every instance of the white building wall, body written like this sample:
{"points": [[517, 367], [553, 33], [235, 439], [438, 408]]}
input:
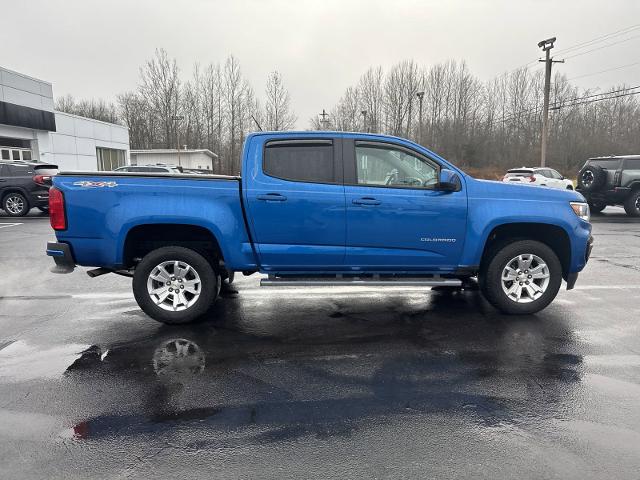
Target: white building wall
{"points": [[24, 90], [73, 145], [187, 159]]}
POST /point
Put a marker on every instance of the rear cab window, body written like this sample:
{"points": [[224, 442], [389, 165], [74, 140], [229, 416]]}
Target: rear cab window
{"points": [[605, 163], [304, 160]]}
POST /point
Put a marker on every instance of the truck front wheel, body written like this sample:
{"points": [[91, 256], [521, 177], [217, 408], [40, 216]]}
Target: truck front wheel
{"points": [[175, 285], [522, 277]]}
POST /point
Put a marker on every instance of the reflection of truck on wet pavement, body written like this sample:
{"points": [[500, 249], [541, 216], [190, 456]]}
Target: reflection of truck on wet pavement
{"points": [[320, 208]]}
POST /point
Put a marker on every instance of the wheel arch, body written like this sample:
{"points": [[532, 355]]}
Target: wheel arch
{"points": [[554, 236], [142, 238], [14, 189]]}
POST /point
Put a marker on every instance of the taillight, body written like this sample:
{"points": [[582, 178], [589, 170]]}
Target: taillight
{"points": [[532, 178], [57, 215], [41, 179]]}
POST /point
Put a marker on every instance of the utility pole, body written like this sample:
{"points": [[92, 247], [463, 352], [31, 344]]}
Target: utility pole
{"points": [[546, 46], [324, 120], [364, 116], [420, 96], [176, 119]]}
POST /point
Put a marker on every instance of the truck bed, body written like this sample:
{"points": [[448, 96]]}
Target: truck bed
{"points": [[178, 176]]}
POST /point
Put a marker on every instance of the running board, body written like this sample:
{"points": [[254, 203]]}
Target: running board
{"points": [[435, 281]]}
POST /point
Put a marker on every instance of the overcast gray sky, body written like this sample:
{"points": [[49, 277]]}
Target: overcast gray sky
{"points": [[95, 48]]}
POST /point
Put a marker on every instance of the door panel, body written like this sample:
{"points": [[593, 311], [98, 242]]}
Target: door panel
{"points": [[299, 224], [392, 226]]}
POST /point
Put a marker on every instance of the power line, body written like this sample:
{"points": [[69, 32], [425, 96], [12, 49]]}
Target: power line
{"points": [[577, 46], [604, 71], [604, 46], [600, 94], [601, 38], [596, 100]]}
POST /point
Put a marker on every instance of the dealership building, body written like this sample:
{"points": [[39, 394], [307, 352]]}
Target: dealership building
{"points": [[30, 129], [199, 159]]}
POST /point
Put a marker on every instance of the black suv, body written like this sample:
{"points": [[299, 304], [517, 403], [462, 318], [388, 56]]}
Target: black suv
{"points": [[611, 181], [24, 185]]}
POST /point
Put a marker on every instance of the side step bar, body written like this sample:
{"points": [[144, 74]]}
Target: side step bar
{"points": [[291, 281]]}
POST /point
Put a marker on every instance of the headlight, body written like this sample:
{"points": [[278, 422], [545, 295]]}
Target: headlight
{"points": [[581, 209]]}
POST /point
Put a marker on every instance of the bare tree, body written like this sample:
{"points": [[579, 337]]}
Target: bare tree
{"points": [[160, 87], [97, 109], [278, 115]]}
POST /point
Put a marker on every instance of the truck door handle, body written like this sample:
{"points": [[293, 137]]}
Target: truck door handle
{"points": [[272, 197], [366, 201]]}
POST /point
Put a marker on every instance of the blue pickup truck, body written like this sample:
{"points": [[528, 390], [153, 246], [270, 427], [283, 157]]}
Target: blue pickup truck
{"points": [[320, 208]]}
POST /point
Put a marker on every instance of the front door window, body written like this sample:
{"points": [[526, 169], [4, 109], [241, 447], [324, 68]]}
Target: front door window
{"points": [[391, 167]]}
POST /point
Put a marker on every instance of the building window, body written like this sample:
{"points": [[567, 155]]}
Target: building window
{"points": [[110, 158]]}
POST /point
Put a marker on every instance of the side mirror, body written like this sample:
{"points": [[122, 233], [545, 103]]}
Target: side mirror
{"points": [[449, 181]]}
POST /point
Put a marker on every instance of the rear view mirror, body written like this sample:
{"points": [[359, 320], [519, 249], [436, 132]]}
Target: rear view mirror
{"points": [[449, 181]]}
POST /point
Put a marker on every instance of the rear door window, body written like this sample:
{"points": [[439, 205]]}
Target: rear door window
{"points": [[20, 170], [301, 161], [632, 164]]}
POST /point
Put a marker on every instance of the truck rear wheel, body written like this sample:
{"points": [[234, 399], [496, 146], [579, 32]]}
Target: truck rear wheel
{"points": [[175, 285], [632, 204], [522, 277]]}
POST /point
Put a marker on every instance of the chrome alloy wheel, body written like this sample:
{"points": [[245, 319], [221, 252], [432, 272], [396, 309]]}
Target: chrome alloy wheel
{"points": [[525, 278], [174, 285], [14, 204]]}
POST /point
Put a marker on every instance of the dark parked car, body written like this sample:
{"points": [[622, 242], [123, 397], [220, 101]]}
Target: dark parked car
{"points": [[24, 185], [611, 181]]}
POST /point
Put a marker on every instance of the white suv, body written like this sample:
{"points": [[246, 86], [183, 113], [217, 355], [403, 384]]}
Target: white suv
{"points": [[543, 177]]}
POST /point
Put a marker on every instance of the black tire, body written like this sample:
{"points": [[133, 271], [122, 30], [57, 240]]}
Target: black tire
{"points": [[632, 204], [591, 178], [209, 284], [597, 207], [44, 209], [491, 277], [15, 204]]}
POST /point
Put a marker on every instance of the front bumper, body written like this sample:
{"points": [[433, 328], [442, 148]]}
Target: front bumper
{"points": [[572, 278], [61, 253]]}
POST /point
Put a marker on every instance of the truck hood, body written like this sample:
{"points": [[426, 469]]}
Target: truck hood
{"points": [[494, 189]]}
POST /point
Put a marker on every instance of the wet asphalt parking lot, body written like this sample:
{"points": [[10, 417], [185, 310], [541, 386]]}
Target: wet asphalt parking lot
{"points": [[318, 383]]}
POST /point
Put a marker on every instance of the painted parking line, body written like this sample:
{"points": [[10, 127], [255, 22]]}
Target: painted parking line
{"points": [[3, 225]]}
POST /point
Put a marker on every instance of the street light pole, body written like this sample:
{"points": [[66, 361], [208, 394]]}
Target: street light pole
{"points": [[546, 46], [176, 119], [364, 115], [420, 96]]}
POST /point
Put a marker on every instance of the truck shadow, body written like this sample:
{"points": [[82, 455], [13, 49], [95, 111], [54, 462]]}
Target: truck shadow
{"points": [[300, 366]]}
